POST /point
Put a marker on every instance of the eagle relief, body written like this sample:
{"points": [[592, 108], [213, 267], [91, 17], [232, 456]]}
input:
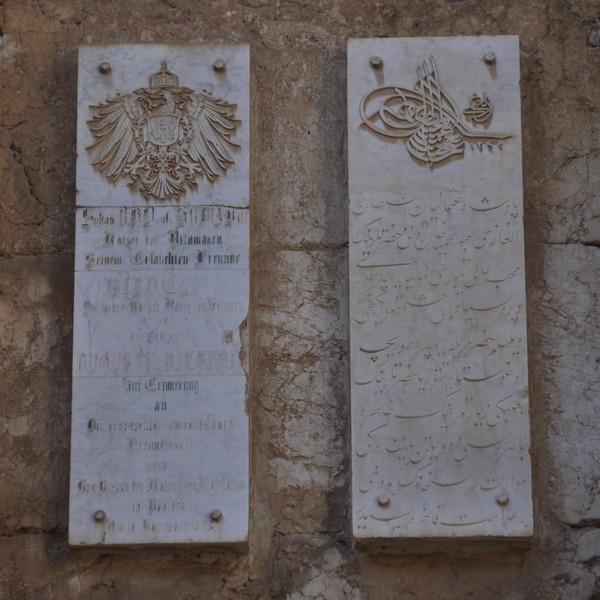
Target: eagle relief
{"points": [[161, 138]]}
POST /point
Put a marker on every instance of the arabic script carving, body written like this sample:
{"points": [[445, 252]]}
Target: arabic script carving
{"points": [[480, 109], [427, 117], [438, 339], [161, 138], [439, 373]]}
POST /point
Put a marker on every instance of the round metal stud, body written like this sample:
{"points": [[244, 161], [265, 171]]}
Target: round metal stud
{"points": [[502, 498], [219, 65], [104, 68], [384, 500], [216, 515], [99, 516], [376, 62], [489, 58]]}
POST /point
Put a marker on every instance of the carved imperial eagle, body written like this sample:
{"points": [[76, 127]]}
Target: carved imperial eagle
{"points": [[161, 138]]}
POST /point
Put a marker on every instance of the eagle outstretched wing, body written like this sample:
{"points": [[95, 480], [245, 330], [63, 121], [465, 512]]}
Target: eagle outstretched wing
{"points": [[213, 125], [112, 127]]}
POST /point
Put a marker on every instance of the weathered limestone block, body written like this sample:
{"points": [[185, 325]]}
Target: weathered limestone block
{"points": [[301, 377], [35, 342], [569, 345], [299, 199], [588, 545]]}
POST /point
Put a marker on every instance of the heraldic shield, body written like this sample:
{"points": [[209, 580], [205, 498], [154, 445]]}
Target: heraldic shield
{"points": [[161, 138], [163, 130]]}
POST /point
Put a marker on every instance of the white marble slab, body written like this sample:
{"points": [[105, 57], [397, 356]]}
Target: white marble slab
{"points": [[131, 66], [157, 455], [159, 446], [177, 238], [440, 426], [159, 322]]}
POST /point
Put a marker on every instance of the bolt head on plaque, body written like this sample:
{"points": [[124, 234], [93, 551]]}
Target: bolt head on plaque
{"points": [[104, 68], [99, 516], [384, 500], [502, 498], [161, 138], [376, 62], [219, 65], [216, 515], [489, 58]]}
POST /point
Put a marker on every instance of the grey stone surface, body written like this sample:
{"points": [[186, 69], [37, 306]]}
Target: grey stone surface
{"points": [[300, 496], [588, 545], [568, 301]]}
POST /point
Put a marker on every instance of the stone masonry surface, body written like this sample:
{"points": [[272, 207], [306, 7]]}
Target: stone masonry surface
{"points": [[300, 544]]}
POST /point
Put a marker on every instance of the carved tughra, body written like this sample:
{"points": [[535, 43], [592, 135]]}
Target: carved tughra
{"points": [[428, 118]]}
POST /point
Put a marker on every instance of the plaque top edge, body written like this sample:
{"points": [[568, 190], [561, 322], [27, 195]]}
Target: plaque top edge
{"points": [[439, 38], [188, 46]]}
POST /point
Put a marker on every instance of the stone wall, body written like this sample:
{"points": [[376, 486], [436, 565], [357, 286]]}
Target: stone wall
{"points": [[300, 542]]}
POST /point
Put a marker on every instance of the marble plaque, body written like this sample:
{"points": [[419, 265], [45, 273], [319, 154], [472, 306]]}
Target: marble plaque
{"points": [[440, 425], [202, 129], [159, 448]]}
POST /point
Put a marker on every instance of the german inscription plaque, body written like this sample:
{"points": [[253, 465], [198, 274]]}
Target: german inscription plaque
{"points": [[440, 426], [159, 451]]}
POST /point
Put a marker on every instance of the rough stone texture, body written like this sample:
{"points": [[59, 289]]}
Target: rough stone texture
{"points": [[300, 545], [569, 389], [35, 347]]}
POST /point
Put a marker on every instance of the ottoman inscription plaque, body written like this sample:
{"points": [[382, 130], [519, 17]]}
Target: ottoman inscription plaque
{"points": [[440, 426]]}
